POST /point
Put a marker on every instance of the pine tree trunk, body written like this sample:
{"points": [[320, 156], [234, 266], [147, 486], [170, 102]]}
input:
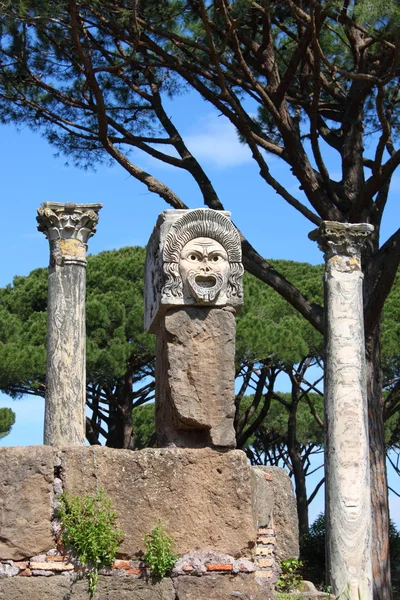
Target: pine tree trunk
{"points": [[301, 490], [120, 427], [297, 464], [379, 490]]}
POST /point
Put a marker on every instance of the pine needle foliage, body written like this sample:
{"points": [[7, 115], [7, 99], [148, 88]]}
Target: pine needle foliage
{"points": [[7, 420]]}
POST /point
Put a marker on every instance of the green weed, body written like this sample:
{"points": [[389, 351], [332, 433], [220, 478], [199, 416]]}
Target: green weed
{"points": [[89, 528], [159, 555], [289, 578]]}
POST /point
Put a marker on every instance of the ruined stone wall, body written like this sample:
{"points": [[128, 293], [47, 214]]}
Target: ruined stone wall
{"points": [[230, 522]]}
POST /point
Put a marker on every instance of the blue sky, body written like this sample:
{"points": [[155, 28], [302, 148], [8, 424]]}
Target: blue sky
{"points": [[31, 174]]}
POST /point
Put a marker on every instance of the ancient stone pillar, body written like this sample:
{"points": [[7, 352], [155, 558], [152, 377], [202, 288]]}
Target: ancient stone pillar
{"points": [[193, 288], [347, 487], [68, 228]]}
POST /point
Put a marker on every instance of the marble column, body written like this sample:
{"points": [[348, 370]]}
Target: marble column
{"points": [[347, 469], [193, 289], [68, 228]]}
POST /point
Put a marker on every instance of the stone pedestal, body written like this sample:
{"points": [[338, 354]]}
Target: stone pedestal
{"points": [[347, 471], [195, 378], [67, 227], [193, 289]]}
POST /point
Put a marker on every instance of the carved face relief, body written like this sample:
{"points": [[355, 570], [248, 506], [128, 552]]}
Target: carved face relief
{"points": [[204, 269]]}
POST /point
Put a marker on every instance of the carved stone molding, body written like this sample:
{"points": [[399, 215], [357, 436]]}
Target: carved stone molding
{"points": [[341, 239], [194, 258]]}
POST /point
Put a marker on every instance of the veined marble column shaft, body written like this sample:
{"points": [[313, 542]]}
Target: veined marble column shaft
{"points": [[68, 228], [347, 469]]}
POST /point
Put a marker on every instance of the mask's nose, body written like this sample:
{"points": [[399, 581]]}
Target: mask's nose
{"points": [[205, 267]]}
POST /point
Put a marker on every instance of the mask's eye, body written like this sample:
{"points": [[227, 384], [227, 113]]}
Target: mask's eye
{"points": [[215, 258], [193, 257]]}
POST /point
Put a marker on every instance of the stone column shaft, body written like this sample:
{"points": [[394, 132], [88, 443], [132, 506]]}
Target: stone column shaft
{"points": [[347, 469], [67, 227]]}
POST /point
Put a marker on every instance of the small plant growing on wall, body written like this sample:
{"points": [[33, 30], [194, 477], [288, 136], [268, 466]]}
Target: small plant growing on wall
{"points": [[159, 555], [89, 528], [289, 579]]}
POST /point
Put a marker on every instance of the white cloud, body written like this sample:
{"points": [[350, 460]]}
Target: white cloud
{"points": [[217, 143]]}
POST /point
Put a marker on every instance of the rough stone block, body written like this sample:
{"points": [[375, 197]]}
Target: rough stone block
{"points": [[202, 497], [219, 587], [36, 588], [125, 588], [284, 512], [262, 497], [66, 588], [195, 378], [26, 483]]}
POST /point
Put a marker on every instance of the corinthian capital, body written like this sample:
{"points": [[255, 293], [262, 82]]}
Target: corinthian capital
{"points": [[341, 239], [68, 221]]}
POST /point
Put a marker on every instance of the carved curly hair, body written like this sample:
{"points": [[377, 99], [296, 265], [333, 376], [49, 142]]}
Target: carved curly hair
{"points": [[202, 222]]}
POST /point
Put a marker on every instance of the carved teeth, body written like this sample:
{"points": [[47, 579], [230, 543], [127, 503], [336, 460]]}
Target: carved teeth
{"points": [[205, 288]]}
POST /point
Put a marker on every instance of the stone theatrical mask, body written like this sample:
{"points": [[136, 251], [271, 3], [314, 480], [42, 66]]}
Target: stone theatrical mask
{"points": [[194, 258], [204, 269], [202, 260]]}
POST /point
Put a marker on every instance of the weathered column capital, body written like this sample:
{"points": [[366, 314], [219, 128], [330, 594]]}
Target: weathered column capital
{"points": [[341, 239], [68, 227]]}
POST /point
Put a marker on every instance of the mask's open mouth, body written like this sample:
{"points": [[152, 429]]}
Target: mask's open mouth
{"points": [[205, 287], [205, 281]]}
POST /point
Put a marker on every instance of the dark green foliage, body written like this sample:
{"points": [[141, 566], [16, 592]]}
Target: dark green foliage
{"points": [[268, 326], [143, 425], [115, 314], [23, 334], [7, 420], [312, 552], [90, 530], [391, 334]]}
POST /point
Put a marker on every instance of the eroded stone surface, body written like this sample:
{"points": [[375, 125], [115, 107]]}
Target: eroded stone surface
{"points": [[35, 588], [285, 521], [125, 588], [76, 588], [195, 375], [202, 497], [26, 480], [220, 587], [263, 497]]}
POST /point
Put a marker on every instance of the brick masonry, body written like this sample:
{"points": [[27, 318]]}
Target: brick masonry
{"points": [[265, 560]]}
